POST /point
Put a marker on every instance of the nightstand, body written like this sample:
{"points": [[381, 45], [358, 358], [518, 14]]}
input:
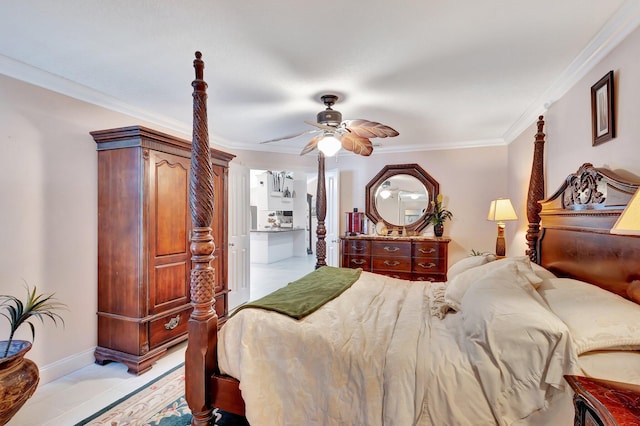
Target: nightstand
{"points": [[603, 402]]}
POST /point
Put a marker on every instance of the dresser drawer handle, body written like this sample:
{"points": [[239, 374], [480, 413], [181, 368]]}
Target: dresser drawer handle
{"points": [[173, 323], [427, 265], [430, 279], [391, 249], [357, 247], [391, 262], [358, 261], [429, 251]]}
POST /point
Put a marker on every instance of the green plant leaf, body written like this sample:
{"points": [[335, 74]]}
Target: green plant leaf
{"points": [[39, 306]]}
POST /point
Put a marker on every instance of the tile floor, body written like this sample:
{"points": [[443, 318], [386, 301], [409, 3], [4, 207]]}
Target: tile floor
{"points": [[74, 397]]}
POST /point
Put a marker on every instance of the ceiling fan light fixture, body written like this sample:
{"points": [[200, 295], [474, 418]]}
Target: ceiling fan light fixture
{"points": [[329, 117], [329, 145]]}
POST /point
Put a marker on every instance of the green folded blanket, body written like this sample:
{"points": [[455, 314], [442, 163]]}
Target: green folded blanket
{"points": [[304, 296]]}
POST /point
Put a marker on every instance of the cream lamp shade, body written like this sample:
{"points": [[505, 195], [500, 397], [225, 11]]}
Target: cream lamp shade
{"points": [[499, 211], [629, 221]]}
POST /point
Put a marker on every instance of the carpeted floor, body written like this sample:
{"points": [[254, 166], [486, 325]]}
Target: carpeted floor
{"points": [[158, 403]]}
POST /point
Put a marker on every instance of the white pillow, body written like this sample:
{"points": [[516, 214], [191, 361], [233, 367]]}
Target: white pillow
{"points": [[519, 348], [542, 272], [597, 319], [520, 273], [619, 366], [468, 263]]}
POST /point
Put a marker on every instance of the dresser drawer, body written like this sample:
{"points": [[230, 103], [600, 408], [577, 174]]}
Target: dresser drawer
{"points": [[391, 249], [391, 264], [430, 249], [354, 261], [357, 247], [407, 258], [395, 274], [429, 277], [424, 265], [168, 327]]}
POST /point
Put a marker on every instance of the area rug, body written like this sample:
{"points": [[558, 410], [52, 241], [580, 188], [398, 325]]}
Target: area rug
{"points": [[158, 403]]}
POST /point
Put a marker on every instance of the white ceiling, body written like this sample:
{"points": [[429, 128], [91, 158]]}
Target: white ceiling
{"points": [[443, 73]]}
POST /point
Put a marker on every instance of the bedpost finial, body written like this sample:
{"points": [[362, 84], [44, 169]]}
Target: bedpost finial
{"points": [[540, 135], [198, 64]]}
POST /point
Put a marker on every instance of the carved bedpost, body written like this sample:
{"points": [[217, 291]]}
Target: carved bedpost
{"points": [[200, 359], [536, 193], [321, 213]]}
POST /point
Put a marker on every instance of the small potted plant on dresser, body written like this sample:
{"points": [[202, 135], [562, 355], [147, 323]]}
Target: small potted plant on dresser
{"points": [[437, 216], [19, 376]]}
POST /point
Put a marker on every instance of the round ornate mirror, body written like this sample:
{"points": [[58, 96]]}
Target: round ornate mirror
{"points": [[400, 195]]}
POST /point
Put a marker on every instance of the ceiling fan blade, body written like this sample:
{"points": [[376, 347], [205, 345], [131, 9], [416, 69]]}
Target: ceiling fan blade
{"points": [[356, 144], [311, 145], [295, 135], [370, 129], [320, 126]]}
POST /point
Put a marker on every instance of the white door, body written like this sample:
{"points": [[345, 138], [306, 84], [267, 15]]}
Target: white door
{"points": [[332, 222], [239, 243]]}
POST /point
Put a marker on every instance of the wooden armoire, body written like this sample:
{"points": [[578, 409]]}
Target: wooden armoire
{"points": [[144, 259]]}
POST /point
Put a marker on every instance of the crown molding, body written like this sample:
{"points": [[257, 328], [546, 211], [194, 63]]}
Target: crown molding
{"points": [[617, 28], [37, 77]]}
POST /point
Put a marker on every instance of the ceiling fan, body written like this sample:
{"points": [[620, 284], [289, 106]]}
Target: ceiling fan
{"points": [[352, 135]]}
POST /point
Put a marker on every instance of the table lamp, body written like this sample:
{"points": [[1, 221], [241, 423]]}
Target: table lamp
{"points": [[499, 211], [629, 221]]}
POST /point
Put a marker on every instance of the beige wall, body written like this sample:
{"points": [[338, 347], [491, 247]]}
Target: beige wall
{"points": [[48, 218], [469, 179], [568, 130]]}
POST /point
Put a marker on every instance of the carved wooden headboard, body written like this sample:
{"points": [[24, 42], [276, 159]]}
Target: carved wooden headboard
{"points": [[569, 232]]}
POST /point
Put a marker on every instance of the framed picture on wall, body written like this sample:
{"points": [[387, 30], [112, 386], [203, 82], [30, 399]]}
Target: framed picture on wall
{"points": [[602, 110]]}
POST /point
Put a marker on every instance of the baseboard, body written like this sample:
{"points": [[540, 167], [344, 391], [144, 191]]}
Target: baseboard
{"points": [[53, 371]]}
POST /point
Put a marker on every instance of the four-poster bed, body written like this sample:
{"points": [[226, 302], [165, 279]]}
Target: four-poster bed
{"points": [[568, 236]]}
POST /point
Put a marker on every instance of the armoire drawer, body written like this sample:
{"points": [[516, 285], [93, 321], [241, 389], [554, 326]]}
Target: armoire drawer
{"points": [[169, 327]]}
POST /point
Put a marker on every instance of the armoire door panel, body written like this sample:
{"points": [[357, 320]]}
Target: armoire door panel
{"points": [[218, 226], [168, 289], [119, 206], [171, 209]]}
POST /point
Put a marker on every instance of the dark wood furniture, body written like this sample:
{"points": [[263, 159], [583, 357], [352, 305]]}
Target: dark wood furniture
{"points": [[206, 387], [604, 403], [569, 234], [407, 258], [144, 262]]}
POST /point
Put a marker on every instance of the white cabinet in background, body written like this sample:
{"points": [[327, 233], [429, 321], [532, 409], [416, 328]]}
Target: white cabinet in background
{"points": [[274, 192]]}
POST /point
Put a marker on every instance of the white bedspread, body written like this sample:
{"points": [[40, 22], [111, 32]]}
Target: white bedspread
{"points": [[372, 356]]}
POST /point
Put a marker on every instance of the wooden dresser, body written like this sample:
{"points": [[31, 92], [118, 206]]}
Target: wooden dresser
{"points": [[604, 403], [144, 259], [409, 258]]}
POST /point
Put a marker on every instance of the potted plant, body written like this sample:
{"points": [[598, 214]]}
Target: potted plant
{"points": [[19, 376], [437, 216]]}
